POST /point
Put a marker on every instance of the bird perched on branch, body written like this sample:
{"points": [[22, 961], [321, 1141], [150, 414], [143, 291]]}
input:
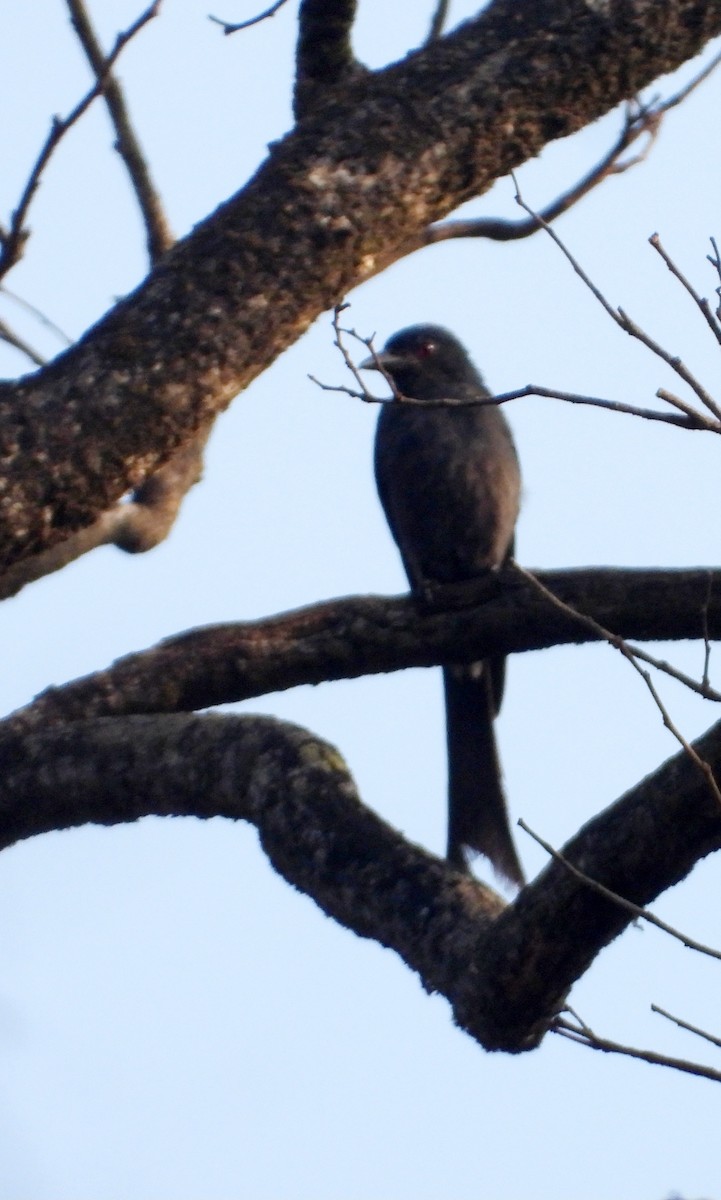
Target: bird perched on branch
{"points": [[449, 482]]}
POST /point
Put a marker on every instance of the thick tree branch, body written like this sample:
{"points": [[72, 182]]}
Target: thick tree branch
{"points": [[324, 56], [438, 20], [149, 517], [134, 526], [639, 120], [344, 195], [345, 639], [505, 971]]}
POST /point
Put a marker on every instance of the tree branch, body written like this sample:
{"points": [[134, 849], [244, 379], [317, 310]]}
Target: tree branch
{"points": [[229, 27], [344, 639], [12, 339], [330, 208], [438, 20], [505, 970], [159, 236], [324, 57], [578, 1031], [135, 526], [150, 516], [639, 119], [12, 240]]}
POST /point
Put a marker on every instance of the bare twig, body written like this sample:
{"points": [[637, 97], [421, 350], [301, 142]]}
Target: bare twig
{"points": [[12, 339], [629, 326], [263, 16], [369, 343], [700, 688], [695, 421], [706, 635], [700, 301], [580, 1032], [158, 234], [631, 655], [145, 521], [715, 260], [639, 119], [635, 910], [688, 419], [13, 242], [709, 1037], [37, 313]]}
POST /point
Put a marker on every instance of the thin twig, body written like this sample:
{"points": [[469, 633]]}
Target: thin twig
{"points": [[701, 688], [268, 12], [12, 339], [15, 237], [629, 654], [715, 260], [700, 301], [706, 634], [639, 120], [695, 421], [158, 235], [586, 1037], [691, 418], [622, 319], [709, 1037], [37, 313], [635, 910]]}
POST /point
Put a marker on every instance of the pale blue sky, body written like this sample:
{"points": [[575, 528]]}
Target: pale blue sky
{"points": [[175, 1022]]}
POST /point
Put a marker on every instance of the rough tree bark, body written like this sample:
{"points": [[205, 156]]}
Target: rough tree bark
{"points": [[352, 188]]}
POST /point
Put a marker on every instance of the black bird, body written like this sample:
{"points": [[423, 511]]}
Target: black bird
{"points": [[449, 482]]}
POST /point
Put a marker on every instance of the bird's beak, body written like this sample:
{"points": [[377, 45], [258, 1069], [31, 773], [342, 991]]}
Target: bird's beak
{"points": [[382, 360]]}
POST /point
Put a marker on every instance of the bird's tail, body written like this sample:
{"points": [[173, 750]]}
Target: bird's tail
{"points": [[477, 814]]}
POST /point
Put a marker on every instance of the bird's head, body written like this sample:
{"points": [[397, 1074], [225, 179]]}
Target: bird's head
{"points": [[425, 362]]}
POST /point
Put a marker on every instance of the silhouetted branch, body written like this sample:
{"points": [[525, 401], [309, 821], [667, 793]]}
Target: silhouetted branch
{"points": [[586, 1037], [159, 237], [709, 1037], [330, 207], [629, 326], [701, 302], [37, 313], [12, 339], [438, 20], [640, 119], [715, 260], [15, 237], [344, 639], [229, 27], [632, 654], [505, 970], [638, 913], [688, 418]]}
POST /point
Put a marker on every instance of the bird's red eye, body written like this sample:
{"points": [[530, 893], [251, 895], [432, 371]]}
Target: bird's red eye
{"points": [[425, 349]]}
